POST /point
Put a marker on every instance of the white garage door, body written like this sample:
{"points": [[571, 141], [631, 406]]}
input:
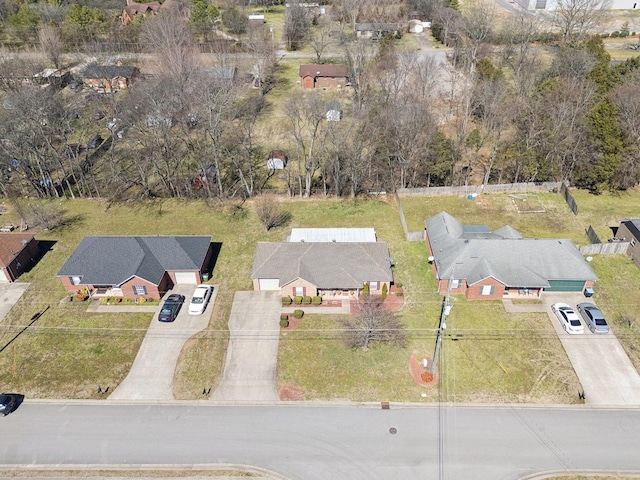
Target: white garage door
{"points": [[269, 284], [189, 278]]}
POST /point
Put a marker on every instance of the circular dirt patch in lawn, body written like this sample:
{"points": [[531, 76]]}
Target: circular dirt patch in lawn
{"points": [[420, 374]]}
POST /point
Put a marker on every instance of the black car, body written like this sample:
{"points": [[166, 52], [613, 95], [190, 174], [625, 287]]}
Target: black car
{"points": [[7, 403], [171, 307]]}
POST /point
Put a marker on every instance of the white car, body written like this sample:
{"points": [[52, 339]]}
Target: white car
{"points": [[200, 299], [568, 318]]}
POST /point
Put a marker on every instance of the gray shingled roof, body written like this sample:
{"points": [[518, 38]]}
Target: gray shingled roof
{"points": [[114, 260], [108, 71], [503, 255], [340, 235], [326, 265]]}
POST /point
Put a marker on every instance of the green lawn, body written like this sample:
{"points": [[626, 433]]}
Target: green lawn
{"points": [[488, 355]]}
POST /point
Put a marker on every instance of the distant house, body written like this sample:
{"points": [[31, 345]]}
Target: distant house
{"points": [[276, 160], [219, 74], [311, 9], [339, 235], [256, 20], [629, 231], [376, 30], [17, 252], [55, 77], [132, 9], [326, 269], [137, 266], [484, 265], [152, 8], [552, 5], [323, 76], [108, 78]]}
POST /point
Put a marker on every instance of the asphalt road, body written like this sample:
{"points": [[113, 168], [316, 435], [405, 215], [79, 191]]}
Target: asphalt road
{"points": [[321, 442]]}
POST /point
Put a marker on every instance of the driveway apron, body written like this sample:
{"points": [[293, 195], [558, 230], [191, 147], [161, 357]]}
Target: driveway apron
{"points": [[151, 376], [252, 354], [607, 375]]}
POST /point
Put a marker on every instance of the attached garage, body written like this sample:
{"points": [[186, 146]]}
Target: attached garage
{"points": [[187, 278], [565, 286], [269, 283]]}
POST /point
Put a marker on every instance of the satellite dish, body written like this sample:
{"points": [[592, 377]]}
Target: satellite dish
{"points": [[589, 259], [431, 258], [23, 241]]}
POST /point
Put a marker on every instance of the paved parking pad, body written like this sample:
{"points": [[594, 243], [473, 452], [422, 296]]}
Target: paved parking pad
{"points": [[601, 364], [10, 293], [252, 354], [151, 376]]}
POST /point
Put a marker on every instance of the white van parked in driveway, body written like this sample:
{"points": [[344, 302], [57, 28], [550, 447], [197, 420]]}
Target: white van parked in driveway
{"points": [[200, 299]]}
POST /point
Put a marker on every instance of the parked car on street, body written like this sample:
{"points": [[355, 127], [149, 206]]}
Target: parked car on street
{"points": [[171, 308], [593, 317], [200, 299], [7, 403], [568, 318]]}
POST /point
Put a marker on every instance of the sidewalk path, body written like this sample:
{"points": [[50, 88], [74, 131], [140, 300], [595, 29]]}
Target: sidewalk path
{"points": [[252, 354]]}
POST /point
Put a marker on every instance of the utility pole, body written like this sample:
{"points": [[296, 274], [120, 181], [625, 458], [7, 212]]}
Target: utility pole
{"points": [[446, 309]]}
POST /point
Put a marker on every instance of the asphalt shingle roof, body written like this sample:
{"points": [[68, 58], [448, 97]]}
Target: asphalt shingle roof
{"points": [[11, 244], [326, 265], [114, 260], [503, 255]]}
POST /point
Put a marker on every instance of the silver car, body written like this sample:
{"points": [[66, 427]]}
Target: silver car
{"points": [[593, 317]]}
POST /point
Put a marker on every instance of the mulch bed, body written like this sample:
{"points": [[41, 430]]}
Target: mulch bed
{"points": [[293, 323], [416, 369], [290, 392]]}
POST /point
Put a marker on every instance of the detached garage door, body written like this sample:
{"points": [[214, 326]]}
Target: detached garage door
{"points": [[189, 278], [269, 283], [565, 286]]}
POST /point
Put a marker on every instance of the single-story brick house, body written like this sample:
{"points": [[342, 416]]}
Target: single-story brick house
{"points": [[376, 30], [17, 252], [323, 76], [132, 267], [108, 78], [629, 231], [484, 265], [326, 269]]}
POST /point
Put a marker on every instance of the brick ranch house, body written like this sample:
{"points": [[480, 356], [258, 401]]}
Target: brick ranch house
{"points": [[326, 269], [17, 252], [108, 78], [485, 265], [323, 76], [133, 267]]}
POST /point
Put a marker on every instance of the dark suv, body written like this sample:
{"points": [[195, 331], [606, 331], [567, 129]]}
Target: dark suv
{"points": [[7, 403]]}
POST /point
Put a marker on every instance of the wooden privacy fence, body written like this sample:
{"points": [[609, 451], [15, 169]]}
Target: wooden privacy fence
{"points": [[478, 189], [611, 248], [593, 236], [564, 189]]}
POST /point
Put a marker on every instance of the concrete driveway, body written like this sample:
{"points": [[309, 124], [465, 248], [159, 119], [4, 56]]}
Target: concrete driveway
{"points": [[151, 376], [252, 354], [10, 293], [604, 369]]}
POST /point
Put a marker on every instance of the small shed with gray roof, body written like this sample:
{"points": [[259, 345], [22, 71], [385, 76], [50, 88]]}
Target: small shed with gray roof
{"points": [[133, 267], [485, 265], [327, 269]]}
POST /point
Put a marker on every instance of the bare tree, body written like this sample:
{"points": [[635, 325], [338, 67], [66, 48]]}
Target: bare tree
{"points": [[473, 35], [50, 42], [305, 113], [373, 324], [296, 24], [270, 212], [169, 38], [319, 39], [520, 32], [577, 18]]}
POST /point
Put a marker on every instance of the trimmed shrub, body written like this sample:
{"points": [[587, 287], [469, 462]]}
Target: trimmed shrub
{"points": [[384, 291], [117, 299], [615, 34], [399, 293], [82, 294], [284, 316], [286, 301], [365, 290], [399, 284], [104, 300], [284, 321], [317, 300], [142, 300], [297, 300], [306, 300], [298, 314]]}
